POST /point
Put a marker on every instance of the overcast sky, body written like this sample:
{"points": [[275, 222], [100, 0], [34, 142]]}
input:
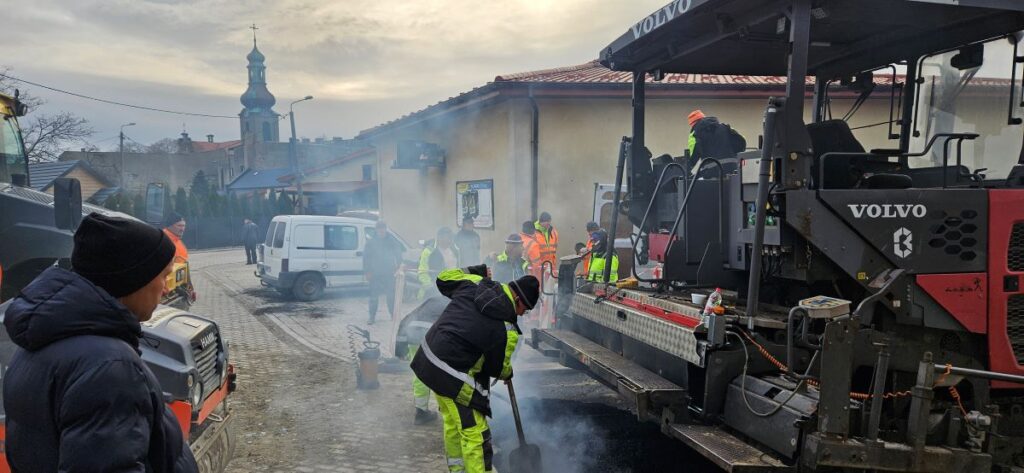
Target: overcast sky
{"points": [[365, 61]]}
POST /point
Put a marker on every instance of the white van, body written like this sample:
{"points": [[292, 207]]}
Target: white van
{"points": [[303, 254]]}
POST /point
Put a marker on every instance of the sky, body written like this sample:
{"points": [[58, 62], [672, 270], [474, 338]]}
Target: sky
{"points": [[364, 61]]}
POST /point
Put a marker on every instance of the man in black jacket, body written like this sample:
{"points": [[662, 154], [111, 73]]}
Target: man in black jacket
{"points": [[381, 260], [250, 238], [78, 397], [467, 240], [471, 343]]}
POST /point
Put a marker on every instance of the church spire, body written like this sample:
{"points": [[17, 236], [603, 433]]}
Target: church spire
{"points": [[258, 118], [257, 96]]}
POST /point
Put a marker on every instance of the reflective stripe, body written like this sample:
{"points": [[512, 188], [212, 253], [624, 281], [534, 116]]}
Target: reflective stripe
{"points": [[425, 348], [455, 462]]}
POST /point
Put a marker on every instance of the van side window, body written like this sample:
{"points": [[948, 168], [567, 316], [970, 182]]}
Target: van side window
{"points": [[341, 237], [270, 233], [279, 234], [308, 237]]}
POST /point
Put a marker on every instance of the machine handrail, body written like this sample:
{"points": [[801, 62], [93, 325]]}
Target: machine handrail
{"points": [[643, 221], [686, 201], [959, 137]]}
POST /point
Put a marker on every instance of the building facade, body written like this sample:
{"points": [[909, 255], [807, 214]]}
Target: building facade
{"points": [[541, 141]]}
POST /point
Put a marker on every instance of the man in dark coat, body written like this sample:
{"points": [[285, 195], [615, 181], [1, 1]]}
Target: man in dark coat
{"points": [[467, 240], [472, 342], [250, 238], [78, 397], [381, 259]]}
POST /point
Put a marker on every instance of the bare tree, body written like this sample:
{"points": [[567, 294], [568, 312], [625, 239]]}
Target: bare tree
{"points": [[9, 86], [166, 145], [46, 136]]}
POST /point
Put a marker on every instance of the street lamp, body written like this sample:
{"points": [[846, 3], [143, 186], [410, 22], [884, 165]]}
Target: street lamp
{"points": [[121, 150], [293, 158]]}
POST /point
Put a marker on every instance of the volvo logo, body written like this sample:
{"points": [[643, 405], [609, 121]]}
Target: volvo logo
{"points": [[207, 340], [888, 210], [902, 242], [660, 17]]}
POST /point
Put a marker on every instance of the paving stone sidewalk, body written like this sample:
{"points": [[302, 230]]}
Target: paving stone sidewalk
{"points": [[297, 408]]}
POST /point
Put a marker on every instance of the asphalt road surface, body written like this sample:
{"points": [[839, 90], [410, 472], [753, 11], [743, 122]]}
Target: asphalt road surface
{"points": [[298, 409]]}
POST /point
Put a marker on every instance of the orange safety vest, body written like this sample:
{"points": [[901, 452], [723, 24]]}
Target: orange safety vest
{"points": [[547, 241], [180, 252], [531, 253]]}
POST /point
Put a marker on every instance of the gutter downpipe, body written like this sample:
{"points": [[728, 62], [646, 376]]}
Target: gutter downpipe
{"points": [[534, 154]]}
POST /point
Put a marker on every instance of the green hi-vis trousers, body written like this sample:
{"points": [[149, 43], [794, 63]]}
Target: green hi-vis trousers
{"points": [[420, 391], [467, 440]]}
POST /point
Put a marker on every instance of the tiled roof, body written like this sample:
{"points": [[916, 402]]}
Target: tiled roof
{"points": [[595, 79], [259, 179], [594, 73], [203, 146]]}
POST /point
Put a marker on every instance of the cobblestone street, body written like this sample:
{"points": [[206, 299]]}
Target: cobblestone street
{"points": [[297, 407]]}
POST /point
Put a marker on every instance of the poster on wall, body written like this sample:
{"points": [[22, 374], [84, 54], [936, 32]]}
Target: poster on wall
{"points": [[475, 199]]}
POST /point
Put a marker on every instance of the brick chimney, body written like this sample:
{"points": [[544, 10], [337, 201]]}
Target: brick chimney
{"points": [[209, 138]]}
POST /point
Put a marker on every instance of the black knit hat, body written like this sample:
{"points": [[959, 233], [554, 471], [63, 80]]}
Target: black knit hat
{"points": [[119, 255], [528, 290]]}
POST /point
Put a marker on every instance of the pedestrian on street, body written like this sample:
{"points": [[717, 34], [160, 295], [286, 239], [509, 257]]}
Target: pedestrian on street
{"points": [[509, 265], [77, 395], [547, 243], [472, 342], [438, 255], [250, 238], [467, 240], [382, 259]]}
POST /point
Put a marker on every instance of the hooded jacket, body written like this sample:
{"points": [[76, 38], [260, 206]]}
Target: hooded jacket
{"points": [[474, 337], [77, 395]]}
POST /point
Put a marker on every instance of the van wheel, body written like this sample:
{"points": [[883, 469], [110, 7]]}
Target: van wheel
{"points": [[308, 287]]}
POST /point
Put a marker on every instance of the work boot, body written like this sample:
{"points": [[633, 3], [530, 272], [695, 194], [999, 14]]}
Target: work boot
{"points": [[371, 321], [424, 416]]}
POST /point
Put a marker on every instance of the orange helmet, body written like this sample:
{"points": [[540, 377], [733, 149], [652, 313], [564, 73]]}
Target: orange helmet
{"points": [[695, 116]]}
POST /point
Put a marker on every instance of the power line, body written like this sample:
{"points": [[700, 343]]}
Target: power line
{"points": [[111, 102]]}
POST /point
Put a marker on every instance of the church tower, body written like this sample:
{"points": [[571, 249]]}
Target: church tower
{"points": [[258, 118]]}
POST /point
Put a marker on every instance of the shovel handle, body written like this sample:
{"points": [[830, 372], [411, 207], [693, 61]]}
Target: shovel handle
{"points": [[515, 413]]}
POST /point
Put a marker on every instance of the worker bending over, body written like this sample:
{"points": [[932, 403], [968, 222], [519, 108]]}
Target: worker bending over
{"points": [[471, 343]]}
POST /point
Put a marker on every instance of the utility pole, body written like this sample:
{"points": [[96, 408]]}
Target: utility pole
{"points": [[293, 156], [120, 148]]}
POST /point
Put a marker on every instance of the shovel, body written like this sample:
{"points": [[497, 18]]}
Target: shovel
{"points": [[526, 457]]}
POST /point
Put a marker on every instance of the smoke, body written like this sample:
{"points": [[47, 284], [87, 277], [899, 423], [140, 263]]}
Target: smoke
{"points": [[570, 440]]}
